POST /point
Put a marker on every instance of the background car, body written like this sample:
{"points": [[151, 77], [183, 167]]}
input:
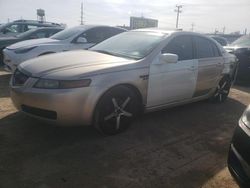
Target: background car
{"points": [[80, 37], [221, 40], [20, 26], [239, 155], [41, 32], [241, 48], [108, 85]]}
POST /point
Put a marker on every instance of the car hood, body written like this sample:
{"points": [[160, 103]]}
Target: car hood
{"points": [[7, 38], [32, 42], [73, 64], [233, 48]]}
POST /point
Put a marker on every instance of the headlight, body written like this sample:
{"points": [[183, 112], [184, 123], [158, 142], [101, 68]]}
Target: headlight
{"points": [[246, 117], [61, 84], [24, 50]]}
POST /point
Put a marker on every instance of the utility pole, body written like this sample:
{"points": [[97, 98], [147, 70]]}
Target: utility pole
{"points": [[223, 30], [192, 26], [178, 10], [245, 32], [82, 14]]}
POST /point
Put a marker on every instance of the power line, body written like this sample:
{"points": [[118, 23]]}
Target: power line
{"points": [[178, 10]]}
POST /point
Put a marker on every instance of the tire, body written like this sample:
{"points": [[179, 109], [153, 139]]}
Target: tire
{"points": [[115, 110], [222, 90]]}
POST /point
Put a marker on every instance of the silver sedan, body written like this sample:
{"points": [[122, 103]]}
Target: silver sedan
{"points": [[133, 72]]}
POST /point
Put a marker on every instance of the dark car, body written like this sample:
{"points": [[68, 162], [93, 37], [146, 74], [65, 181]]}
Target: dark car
{"points": [[42, 32], [221, 40], [20, 26], [241, 48], [239, 152]]}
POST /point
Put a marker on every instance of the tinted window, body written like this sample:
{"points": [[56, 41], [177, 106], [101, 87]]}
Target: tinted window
{"points": [[96, 35], [215, 50], [114, 31], [203, 48], [14, 28], [181, 46], [32, 27], [67, 33], [51, 32]]}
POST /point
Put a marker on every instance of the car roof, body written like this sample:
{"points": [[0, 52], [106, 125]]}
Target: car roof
{"points": [[85, 27], [47, 28], [36, 22], [170, 31]]}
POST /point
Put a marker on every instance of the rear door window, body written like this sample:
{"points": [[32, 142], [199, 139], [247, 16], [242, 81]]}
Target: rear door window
{"points": [[204, 48]]}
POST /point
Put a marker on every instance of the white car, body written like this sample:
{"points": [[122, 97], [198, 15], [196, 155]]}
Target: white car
{"points": [[80, 37], [136, 71]]}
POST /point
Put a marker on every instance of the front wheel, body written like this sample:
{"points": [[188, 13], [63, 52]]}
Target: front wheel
{"points": [[115, 110], [222, 90]]}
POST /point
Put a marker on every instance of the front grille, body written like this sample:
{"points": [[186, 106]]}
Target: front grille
{"points": [[39, 112], [19, 78], [241, 142]]}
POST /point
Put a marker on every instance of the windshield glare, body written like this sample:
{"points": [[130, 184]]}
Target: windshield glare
{"points": [[65, 34], [242, 41], [135, 45]]}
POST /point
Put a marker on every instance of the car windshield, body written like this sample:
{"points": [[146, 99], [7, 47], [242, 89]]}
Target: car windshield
{"points": [[242, 41], [67, 33], [3, 26], [135, 45]]}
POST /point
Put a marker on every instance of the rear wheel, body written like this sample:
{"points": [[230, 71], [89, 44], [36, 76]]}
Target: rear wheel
{"points": [[115, 110], [222, 90]]}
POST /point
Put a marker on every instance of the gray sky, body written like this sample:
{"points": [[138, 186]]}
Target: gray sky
{"points": [[207, 15]]}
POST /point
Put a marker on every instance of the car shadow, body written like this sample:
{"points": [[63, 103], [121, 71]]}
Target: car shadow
{"points": [[179, 147], [4, 85], [243, 88]]}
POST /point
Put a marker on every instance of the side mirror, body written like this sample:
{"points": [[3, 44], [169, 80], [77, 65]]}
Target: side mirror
{"points": [[169, 58], [81, 40]]}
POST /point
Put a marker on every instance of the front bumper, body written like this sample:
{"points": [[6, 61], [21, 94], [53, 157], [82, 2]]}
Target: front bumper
{"points": [[12, 60], [238, 157], [67, 107]]}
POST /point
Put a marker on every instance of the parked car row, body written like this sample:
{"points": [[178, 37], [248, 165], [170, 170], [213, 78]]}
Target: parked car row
{"points": [[80, 37], [241, 48], [20, 26], [41, 32]]}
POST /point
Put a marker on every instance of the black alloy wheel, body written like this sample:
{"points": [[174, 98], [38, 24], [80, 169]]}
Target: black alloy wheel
{"points": [[115, 110]]}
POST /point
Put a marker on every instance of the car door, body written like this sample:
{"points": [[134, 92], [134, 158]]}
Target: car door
{"points": [[173, 82], [210, 64]]}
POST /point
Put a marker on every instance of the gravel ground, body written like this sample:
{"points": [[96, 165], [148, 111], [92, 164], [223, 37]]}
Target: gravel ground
{"points": [[181, 147]]}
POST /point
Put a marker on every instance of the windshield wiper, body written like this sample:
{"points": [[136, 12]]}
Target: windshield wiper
{"points": [[115, 54], [104, 52]]}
